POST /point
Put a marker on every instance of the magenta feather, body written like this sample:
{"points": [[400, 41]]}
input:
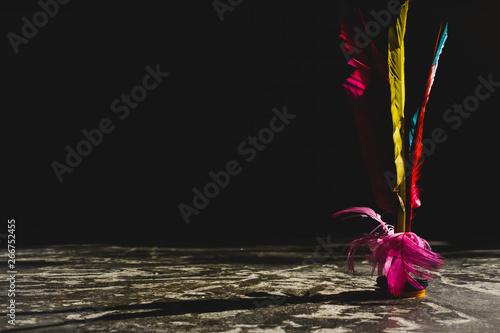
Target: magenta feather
{"points": [[403, 253], [369, 241], [359, 212], [369, 95], [397, 255]]}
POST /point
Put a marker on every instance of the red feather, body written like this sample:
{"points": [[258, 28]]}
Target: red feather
{"points": [[417, 144]]}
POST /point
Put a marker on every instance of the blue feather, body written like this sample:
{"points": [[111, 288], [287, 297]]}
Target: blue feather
{"points": [[412, 129], [441, 44]]}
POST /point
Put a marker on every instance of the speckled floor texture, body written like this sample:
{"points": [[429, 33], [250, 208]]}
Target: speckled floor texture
{"points": [[99, 288]]}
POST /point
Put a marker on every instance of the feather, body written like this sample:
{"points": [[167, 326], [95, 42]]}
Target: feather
{"points": [[412, 128], [368, 241], [368, 92], [359, 45], [400, 254], [397, 255], [371, 240], [366, 212], [419, 124], [396, 59]]}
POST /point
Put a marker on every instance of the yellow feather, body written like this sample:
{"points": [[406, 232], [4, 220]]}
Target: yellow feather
{"points": [[397, 81]]}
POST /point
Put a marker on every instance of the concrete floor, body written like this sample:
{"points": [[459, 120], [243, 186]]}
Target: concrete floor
{"points": [[92, 288]]}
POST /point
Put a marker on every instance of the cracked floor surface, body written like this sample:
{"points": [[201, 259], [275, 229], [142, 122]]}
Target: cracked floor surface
{"points": [[100, 288]]}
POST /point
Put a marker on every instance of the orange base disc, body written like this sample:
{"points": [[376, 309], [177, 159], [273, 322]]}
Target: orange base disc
{"points": [[404, 294]]}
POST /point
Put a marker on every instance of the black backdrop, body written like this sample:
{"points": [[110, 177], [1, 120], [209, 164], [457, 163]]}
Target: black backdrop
{"points": [[225, 79]]}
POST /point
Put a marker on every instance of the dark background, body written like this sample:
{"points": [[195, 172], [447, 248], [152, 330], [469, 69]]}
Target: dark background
{"points": [[226, 77]]}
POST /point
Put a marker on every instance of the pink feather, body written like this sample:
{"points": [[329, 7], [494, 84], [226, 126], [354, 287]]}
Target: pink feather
{"points": [[397, 255], [368, 92], [403, 253], [370, 241], [361, 212]]}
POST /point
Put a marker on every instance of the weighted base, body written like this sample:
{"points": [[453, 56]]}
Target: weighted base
{"points": [[407, 292], [404, 294]]}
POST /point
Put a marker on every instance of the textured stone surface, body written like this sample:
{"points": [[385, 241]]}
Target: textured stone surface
{"points": [[84, 288]]}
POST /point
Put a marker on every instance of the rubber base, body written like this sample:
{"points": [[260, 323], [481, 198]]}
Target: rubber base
{"points": [[404, 294], [407, 292]]}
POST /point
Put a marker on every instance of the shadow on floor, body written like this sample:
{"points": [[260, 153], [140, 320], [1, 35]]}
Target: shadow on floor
{"points": [[161, 309]]}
